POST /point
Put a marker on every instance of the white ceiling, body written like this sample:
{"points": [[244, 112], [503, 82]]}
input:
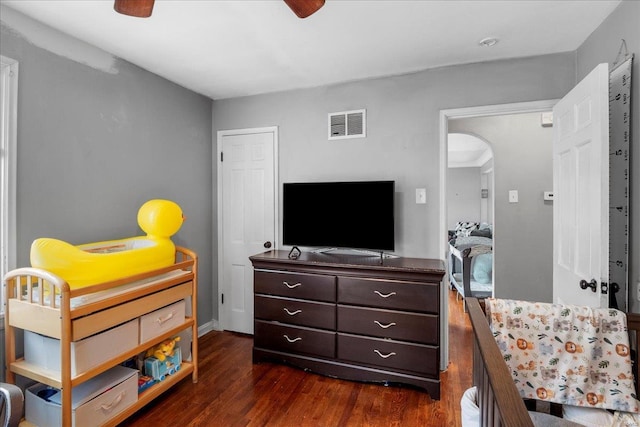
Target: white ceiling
{"points": [[467, 151], [226, 49]]}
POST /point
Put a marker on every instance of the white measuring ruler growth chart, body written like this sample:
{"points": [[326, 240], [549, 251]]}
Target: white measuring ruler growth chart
{"points": [[619, 147]]}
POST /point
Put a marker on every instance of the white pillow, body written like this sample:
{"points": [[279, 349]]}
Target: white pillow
{"points": [[589, 417], [469, 408]]}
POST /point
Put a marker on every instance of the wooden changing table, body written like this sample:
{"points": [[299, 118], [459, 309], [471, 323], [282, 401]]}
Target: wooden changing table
{"points": [[79, 313]]}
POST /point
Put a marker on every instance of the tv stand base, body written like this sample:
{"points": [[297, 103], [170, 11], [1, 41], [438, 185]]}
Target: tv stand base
{"points": [[345, 251]]}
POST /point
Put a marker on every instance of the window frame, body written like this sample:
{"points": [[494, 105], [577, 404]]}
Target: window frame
{"points": [[8, 162]]}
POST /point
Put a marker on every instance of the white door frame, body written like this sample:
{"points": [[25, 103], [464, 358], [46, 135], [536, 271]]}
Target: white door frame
{"points": [[457, 113], [276, 194]]}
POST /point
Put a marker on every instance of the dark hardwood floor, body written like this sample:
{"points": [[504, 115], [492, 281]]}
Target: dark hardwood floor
{"points": [[232, 391]]}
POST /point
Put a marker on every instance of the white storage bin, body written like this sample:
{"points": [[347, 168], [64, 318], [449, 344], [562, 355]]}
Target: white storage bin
{"points": [[162, 320], [93, 402], [85, 354]]}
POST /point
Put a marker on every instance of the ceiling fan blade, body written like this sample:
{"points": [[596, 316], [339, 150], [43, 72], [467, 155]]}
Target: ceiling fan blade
{"points": [[137, 8], [304, 8]]}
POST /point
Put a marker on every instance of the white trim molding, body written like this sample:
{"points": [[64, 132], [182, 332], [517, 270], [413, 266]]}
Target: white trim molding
{"points": [[8, 162]]}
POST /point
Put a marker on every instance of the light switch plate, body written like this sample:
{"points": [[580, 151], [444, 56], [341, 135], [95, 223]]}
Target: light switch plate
{"points": [[513, 196], [421, 196]]}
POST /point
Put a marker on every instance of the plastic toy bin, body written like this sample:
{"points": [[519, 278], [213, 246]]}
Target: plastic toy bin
{"points": [[85, 354], [93, 402]]}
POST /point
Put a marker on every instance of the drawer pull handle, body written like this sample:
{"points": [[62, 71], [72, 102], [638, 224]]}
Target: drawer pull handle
{"points": [[292, 286], [114, 403], [169, 316], [292, 340], [388, 325], [291, 313], [385, 295], [384, 356]]}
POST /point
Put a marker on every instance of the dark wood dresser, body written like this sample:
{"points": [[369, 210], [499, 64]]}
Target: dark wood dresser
{"points": [[353, 317]]}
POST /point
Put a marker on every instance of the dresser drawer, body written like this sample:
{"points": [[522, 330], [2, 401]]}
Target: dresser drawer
{"points": [[422, 328], [292, 339], [389, 354], [286, 310], [391, 294], [296, 285]]}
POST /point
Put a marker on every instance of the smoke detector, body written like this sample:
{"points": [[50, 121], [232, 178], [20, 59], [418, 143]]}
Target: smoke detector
{"points": [[488, 42]]}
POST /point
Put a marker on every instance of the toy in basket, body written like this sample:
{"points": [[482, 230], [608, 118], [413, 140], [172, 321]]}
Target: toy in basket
{"points": [[163, 359], [144, 382], [99, 262]]}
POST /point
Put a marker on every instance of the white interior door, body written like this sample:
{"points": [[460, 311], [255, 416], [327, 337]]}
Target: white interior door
{"points": [[581, 192], [248, 224]]}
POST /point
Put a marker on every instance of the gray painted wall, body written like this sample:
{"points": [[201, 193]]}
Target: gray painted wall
{"points": [[603, 46], [402, 140], [523, 231], [97, 137], [463, 195]]}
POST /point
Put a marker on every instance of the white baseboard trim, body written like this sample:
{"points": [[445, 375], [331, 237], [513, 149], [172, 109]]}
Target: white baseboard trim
{"points": [[212, 325]]}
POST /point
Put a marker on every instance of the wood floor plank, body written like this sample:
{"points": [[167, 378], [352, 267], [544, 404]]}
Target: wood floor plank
{"points": [[232, 391]]}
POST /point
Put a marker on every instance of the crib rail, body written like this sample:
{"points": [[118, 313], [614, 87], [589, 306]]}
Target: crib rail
{"points": [[498, 399]]}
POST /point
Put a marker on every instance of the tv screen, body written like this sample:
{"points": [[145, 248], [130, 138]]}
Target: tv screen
{"points": [[356, 215]]}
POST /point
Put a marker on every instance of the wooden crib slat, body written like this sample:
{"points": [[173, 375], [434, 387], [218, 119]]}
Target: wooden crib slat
{"points": [[484, 401]]}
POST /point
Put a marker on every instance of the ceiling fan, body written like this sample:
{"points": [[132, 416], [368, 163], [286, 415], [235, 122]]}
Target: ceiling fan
{"points": [[143, 8]]}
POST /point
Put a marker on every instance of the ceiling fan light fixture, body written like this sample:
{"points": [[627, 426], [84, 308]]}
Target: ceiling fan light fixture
{"points": [[304, 8], [136, 8]]}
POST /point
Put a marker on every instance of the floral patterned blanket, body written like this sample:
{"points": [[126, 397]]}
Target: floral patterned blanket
{"points": [[566, 354]]}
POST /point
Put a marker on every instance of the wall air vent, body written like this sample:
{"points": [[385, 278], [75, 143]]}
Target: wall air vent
{"points": [[348, 124]]}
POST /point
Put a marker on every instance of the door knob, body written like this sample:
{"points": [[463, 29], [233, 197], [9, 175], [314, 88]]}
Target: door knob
{"points": [[267, 244], [593, 284]]}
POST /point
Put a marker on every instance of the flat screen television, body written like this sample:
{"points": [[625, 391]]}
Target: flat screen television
{"points": [[354, 215]]}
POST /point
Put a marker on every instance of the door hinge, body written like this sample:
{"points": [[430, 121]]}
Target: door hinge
{"points": [[221, 156], [222, 295]]}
